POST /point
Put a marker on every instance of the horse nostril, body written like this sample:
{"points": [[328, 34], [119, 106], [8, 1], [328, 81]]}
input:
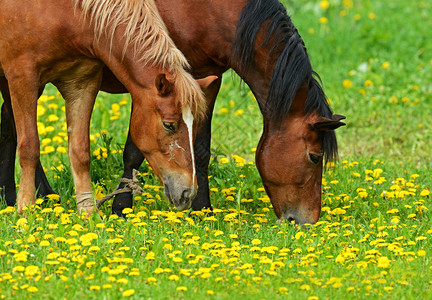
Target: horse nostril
{"points": [[186, 194]]}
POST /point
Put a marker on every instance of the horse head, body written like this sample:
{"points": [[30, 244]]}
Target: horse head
{"points": [[162, 128], [290, 159]]}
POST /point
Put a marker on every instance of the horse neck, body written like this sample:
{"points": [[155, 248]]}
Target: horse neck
{"points": [[257, 76], [270, 56]]}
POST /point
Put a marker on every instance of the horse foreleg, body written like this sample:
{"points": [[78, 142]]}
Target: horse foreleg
{"points": [[132, 159], [80, 95], [8, 146], [202, 149], [23, 88], [42, 185]]}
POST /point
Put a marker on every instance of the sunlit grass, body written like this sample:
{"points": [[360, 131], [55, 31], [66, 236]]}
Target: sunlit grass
{"points": [[372, 239]]}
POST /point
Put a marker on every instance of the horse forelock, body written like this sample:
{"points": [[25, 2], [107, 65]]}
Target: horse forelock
{"points": [[291, 69], [190, 94], [147, 33]]}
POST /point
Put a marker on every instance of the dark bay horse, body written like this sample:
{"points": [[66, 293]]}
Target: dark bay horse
{"points": [[67, 42], [258, 40]]}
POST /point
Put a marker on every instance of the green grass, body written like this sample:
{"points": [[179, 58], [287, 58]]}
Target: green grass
{"points": [[372, 241]]}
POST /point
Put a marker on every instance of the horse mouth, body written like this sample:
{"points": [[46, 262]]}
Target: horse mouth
{"points": [[183, 205], [288, 218]]}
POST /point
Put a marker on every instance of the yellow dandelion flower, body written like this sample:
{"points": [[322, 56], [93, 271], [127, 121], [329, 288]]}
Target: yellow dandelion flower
{"points": [[174, 277], [323, 20], [239, 112], [324, 4], [425, 193], [218, 232], [347, 84], [256, 242], [53, 255], [338, 211], [53, 118], [368, 83], [128, 293], [383, 262], [127, 211], [150, 256], [298, 235], [93, 249], [363, 194], [18, 269], [151, 280], [32, 289], [44, 243], [177, 259], [393, 211], [122, 280], [393, 100], [21, 222], [224, 160], [40, 110]]}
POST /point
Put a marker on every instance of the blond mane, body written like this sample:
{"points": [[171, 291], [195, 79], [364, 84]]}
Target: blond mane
{"points": [[146, 32]]}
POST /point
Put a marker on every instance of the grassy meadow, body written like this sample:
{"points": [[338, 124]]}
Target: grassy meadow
{"points": [[373, 237]]}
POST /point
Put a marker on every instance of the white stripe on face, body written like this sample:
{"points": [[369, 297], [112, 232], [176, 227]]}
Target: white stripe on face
{"points": [[188, 119]]}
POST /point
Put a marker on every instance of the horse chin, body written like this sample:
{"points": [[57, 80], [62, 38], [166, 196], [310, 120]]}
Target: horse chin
{"points": [[288, 209], [298, 217], [184, 205], [295, 203], [298, 220]]}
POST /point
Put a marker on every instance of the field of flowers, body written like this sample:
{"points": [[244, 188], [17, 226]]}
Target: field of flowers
{"points": [[373, 237]]}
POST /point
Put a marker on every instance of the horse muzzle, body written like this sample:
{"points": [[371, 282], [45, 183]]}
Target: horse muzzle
{"points": [[178, 192]]}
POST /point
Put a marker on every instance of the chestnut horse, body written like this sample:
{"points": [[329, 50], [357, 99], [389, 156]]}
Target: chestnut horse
{"points": [[67, 42], [258, 40]]}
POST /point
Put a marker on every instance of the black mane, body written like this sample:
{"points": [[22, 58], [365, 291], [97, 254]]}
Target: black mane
{"points": [[291, 68]]}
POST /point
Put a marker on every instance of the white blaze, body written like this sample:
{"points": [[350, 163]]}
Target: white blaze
{"points": [[188, 119]]}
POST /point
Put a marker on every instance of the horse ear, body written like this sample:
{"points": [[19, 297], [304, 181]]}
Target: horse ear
{"points": [[206, 81], [163, 86], [326, 124]]}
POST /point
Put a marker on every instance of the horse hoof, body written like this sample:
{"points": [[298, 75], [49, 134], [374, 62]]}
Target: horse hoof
{"points": [[20, 210], [86, 211]]}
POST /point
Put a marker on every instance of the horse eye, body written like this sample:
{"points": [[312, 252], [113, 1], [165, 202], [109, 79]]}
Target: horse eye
{"points": [[314, 158], [169, 126]]}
